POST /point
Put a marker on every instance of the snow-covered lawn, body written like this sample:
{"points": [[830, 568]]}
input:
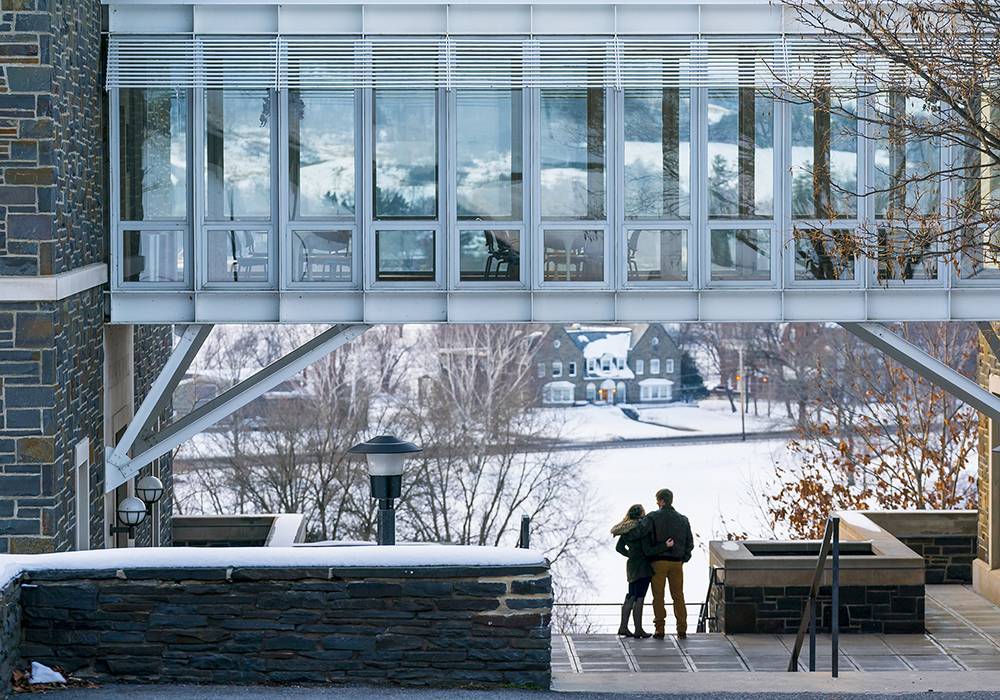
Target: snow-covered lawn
{"points": [[595, 423], [714, 416], [718, 487]]}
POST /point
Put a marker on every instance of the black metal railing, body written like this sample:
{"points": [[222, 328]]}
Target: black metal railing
{"points": [[830, 546], [704, 614]]}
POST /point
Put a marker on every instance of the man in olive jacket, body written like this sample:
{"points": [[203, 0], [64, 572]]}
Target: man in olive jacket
{"points": [[668, 562]]}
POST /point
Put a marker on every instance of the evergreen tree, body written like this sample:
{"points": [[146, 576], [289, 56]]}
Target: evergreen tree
{"points": [[692, 383]]}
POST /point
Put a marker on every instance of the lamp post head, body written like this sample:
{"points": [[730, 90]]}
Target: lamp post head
{"points": [[149, 489], [385, 454], [131, 511]]}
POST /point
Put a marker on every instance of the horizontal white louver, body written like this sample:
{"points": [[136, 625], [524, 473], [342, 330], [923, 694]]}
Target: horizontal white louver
{"points": [[473, 62]]}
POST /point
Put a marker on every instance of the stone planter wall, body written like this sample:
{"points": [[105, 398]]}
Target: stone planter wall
{"points": [[434, 626], [778, 609], [946, 539], [10, 632]]}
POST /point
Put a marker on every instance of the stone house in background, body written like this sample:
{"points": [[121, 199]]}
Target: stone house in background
{"points": [[608, 364]]}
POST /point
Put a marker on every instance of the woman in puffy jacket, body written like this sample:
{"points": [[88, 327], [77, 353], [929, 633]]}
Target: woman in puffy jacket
{"points": [[631, 532]]}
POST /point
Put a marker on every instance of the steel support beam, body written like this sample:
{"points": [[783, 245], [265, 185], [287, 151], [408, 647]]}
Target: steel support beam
{"points": [[986, 328], [119, 467], [192, 338], [930, 368]]}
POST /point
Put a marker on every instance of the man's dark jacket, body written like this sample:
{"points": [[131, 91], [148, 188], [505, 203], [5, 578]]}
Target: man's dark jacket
{"points": [[668, 523]]}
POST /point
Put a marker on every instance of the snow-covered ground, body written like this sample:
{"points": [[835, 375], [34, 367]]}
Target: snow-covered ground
{"points": [[718, 487], [594, 423]]}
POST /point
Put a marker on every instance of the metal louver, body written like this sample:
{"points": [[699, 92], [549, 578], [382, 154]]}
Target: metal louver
{"points": [[472, 62]]}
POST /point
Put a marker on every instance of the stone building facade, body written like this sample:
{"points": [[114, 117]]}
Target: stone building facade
{"points": [[986, 567], [53, 271]]}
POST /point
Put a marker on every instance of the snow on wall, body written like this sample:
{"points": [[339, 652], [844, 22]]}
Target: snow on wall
{"points": [[399, 556]]}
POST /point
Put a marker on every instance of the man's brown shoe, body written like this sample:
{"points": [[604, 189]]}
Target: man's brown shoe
{"points": [[658, 635], [682, 635]]}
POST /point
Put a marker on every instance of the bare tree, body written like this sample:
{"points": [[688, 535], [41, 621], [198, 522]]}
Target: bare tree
{"points": [[881, 436], [929, 71]]}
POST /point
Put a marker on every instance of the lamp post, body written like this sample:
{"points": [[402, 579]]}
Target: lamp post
{"points": [[385, 455], [131, 511], [149, 489]]}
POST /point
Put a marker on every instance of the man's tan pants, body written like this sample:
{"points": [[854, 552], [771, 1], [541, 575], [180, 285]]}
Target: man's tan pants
{"points": [[672, 573]]}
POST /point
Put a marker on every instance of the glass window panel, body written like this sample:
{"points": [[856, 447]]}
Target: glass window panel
{"points": [[572, 154], [740, 154], [321, 153], [574, 255], [489, 154], [824, 157], [153, 153], [981, 255], [741, 255], [153, 256], [237, 154], [238, 255], [905, 255], [490, 255], [404, 255], [819, 256], [901, 159], [657, 255], [322, 256], [658, 154], [406, 152]]}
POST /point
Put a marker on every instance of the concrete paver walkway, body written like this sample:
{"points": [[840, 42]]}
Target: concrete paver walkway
{"points": [[963, 634]]}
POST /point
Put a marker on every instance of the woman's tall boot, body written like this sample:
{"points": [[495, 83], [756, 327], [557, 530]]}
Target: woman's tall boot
{"points": [[626, 611], [639, 633]]}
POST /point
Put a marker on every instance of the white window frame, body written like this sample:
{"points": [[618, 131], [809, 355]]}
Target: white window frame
{"points": [[119, 226], [287, 226], [557, 369], [654, 365], [640, 367]]}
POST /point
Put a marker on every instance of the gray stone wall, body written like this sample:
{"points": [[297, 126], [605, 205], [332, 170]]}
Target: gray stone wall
{"points": [[435, 626], [10, 633], [988, 364], [778, 610], [947, 558], [50, 371]]}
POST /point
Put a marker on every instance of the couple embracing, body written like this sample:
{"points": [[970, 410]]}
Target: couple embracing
{"points": [[656, 545]]}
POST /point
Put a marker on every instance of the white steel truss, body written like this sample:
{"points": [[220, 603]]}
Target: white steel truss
{"points": [[928, 367], [146, 448]]}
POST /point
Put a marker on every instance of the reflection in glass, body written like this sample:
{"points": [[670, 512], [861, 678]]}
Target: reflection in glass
{"points": [[572, 154], [490, 255], [656, 255], [741, 255], [404, 255], [406, 150], [824, 157], [740, 154], [902, 160], [489, 150], [657, 154], [153, 256], [153, 153], [819, 257], [905, 254], [237, 154], [321, 256], [321, 153], [574, 255], [238, 256]]}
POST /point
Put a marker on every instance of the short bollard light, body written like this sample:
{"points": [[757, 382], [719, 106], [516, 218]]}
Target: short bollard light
{"points": [[131, 511], [149, 489], [385, 455]]}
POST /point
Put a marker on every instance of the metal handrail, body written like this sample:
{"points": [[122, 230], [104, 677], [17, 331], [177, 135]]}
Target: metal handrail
{"points": [[703, 616], [830, 545]]}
